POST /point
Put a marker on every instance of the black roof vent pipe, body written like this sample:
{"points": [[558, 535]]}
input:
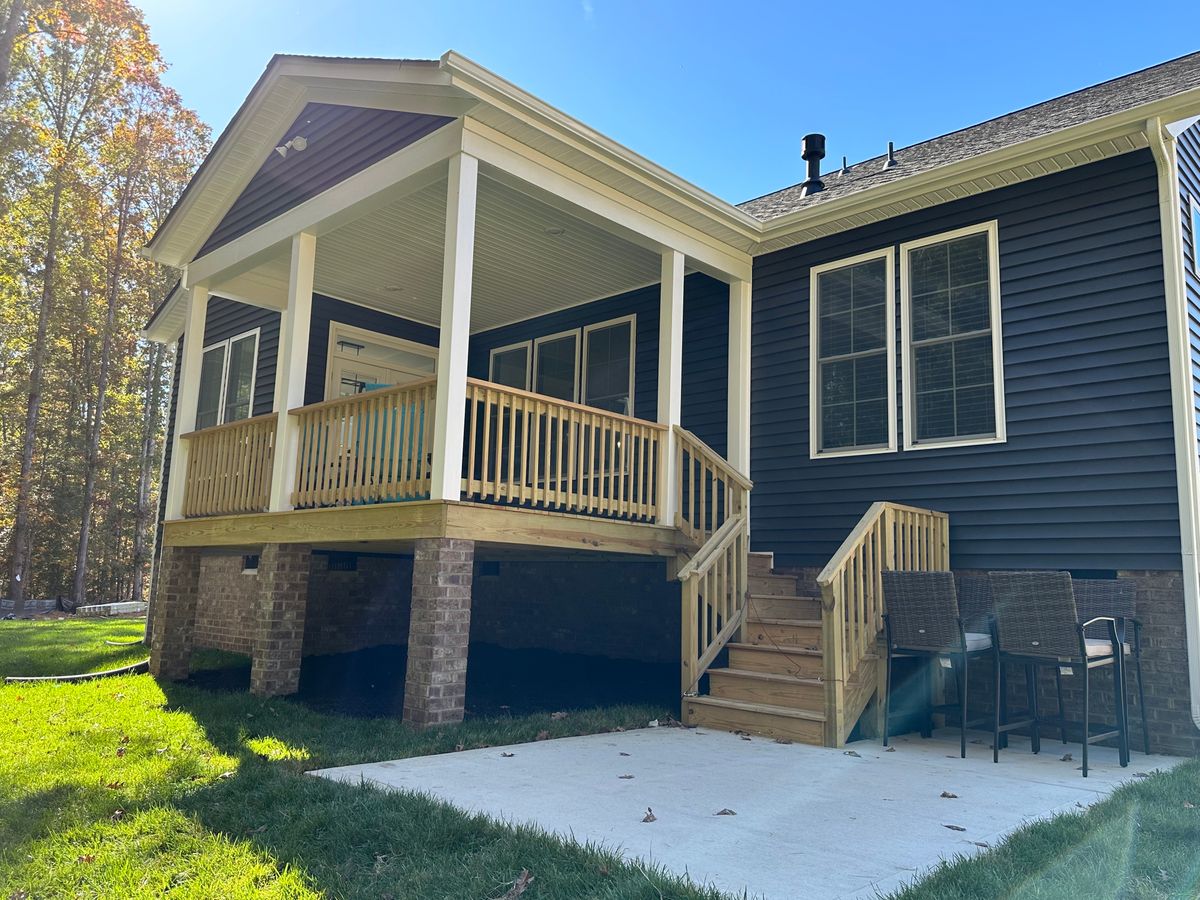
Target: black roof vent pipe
{"points": [[812, 151]]}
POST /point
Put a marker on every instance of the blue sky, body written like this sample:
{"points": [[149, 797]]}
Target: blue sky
{"points": [[719, 93]]}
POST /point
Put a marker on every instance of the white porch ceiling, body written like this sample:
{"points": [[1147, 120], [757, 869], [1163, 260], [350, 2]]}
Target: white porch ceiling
{"points": [[530, 259]]}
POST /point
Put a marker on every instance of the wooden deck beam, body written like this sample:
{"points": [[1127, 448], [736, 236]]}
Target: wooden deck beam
{"points": [[395, 524]]}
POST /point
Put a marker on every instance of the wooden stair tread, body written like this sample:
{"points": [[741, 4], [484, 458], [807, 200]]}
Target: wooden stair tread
{"points": [[770, 620], [814, 599], [776, 648], [786, 712], [767, 676]]}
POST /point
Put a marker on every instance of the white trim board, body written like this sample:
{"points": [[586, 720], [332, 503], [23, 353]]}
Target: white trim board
{"points": [[888, 255]]}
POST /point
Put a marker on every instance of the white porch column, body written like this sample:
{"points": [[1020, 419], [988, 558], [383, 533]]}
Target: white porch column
{"points": [[291, 367], [738, 403], [670, 376], [457, 265], [188, 365]]}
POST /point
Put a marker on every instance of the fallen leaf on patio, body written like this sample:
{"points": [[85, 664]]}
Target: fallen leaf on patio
{"points": [[542, 736], [653, 723], [890, 750], [555, 716], [86, 858], [624, 777], [117, 815], [650, 816], [782, 740], [225, 775], [853, 753], [1141, 774], [115, 785], [623, 753], [946, 795], [984, 844], [520, 886], [954, 827], [725, 812], [1066, 757], [745, 737], [743, 733], [508, 755]]}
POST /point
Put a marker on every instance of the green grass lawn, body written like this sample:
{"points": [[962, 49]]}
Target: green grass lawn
{"points": [[121, 788]]}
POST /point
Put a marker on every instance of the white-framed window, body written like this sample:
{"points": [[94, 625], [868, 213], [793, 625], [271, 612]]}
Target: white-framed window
{"points": [[362, 360], [852, 352], [511, 365], [227, 373], [951, 333], [556, 365], [608, 364]]}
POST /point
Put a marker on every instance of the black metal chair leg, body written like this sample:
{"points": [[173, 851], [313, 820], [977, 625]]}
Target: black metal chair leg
{"points": [[1120, 692], [1137, 667], [999, 667], [1003, 703], [1035, 738], [962, 704], [887, 695], [1062, 713], [1087, 728]]}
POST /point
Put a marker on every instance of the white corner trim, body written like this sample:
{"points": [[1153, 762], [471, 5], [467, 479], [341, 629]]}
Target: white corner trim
{"points": [[991, 229], [888, 255], [608, 323], [1179, 353]]}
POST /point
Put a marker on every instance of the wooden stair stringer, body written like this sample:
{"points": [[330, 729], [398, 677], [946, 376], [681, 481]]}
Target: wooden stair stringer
{"points": [[863, 687]]}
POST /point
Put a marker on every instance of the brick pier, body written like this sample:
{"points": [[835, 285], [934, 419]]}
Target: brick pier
{"points": [[175, 613], [283, 574], [439, 631]]}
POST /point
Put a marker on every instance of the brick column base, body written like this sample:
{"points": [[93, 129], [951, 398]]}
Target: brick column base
{"points": [[439, 632], [283, 572], [175, 613]]}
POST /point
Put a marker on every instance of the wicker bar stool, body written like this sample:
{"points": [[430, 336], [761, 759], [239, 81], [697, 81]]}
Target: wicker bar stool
{"points": [[1037, 624], [1115, 598], [923, 619]]}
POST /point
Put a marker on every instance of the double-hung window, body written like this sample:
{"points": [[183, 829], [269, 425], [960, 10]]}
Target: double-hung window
{"points": [[953, 367], [556, 365], [510, 365], [608, 350], [227, 374], [852, 398]]}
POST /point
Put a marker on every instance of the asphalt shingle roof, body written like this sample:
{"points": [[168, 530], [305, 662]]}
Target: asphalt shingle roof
{"points": [[1081, 106]]}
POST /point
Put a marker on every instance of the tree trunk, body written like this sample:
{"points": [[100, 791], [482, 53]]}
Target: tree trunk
{"points": [[20, 532], [150, 423], [14, 23], [92, 459]]}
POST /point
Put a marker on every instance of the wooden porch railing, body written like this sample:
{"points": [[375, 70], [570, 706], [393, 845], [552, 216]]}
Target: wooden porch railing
{"points": [[889, 536], [368, 448], [229, 467], [529, 449], [712, 510]]}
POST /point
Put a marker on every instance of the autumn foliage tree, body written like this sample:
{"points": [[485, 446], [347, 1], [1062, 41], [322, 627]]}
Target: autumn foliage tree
{"points": [[93, 150]]}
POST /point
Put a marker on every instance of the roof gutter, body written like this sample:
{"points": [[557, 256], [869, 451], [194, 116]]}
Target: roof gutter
{"points": [[1162, 144]]}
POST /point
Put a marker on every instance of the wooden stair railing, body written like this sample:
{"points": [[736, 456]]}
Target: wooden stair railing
{"points": [[712, 500], [229, 467], [889, 536]]}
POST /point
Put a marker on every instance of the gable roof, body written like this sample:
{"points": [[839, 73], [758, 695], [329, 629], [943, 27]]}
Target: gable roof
{"points": [[1077, 108]]}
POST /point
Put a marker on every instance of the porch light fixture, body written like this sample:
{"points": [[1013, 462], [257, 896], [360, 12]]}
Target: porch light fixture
{"points": [[297, 143]]}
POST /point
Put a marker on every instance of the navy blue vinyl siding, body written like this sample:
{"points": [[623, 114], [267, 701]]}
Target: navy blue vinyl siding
{"points": [[342, 141], [1189, 198], [1086, 478], [326, 310], [706, 328]]}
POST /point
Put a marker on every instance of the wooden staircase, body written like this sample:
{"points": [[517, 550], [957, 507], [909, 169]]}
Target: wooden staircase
{"points": [[772, 684]]}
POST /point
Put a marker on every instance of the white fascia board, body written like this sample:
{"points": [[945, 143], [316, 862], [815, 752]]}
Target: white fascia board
{"points": [[1126, 123], [407, 170], [507, 97], [166, 325], [597, 203]]}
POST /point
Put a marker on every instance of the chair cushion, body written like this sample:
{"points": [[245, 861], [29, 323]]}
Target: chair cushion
{"points": [[1097, 647], [977, 640]]}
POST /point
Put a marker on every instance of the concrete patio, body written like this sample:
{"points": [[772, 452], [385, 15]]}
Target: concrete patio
{"points": [[810, 812]]}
